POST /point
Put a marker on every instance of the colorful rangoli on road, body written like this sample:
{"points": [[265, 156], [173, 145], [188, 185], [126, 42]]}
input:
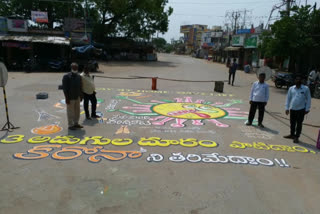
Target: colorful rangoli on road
{"points": [[182, 110]]}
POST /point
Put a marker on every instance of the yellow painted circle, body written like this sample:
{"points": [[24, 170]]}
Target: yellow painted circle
{"points": [[193, 111]]}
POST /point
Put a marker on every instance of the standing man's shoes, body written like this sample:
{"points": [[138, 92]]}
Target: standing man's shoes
{"points": [[248, 123], [296, 140], [78, 126], [95, 116], [72, 128], [261, 125], [88, 118], [289, 136]]}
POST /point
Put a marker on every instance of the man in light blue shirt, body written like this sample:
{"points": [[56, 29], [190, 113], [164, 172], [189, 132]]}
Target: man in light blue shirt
{"points": [[298, 104], [259, 97]]}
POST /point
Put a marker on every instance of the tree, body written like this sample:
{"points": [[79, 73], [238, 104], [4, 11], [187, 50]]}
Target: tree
{"points": [[159, 43], [293, 36], [132, 18]]}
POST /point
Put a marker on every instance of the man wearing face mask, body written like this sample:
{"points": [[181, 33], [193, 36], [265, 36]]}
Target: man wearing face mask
{"points": [[297, 105], [72, 89]]}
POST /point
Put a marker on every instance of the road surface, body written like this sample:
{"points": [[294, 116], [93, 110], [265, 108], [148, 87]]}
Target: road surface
{"points": [[181, 149]]}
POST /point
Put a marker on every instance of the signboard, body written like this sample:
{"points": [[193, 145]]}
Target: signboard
{"points": [[237, 40], [76, 25], [3, 75], [216, 34], [246, 31], [39, 17], [3, 25], [17, 25], [251, 42]]}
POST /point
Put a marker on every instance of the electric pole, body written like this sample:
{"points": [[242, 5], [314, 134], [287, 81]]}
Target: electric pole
{"points": [[288, 6]]}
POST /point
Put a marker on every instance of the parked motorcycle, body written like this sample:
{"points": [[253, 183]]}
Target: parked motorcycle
{"points": [[283, 79], [57, 65], [31, 64]]}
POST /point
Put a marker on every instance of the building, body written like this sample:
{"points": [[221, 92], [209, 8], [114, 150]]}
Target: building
{"points": [[192, 35]]}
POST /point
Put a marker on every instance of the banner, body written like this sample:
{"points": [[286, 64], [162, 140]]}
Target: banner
{"points": [[237, 40], [251, 42], [76, 25], [39, 17], [17, 25]]}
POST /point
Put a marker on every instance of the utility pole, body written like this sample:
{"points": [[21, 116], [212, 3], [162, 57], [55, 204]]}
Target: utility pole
{"points": [[288, 6]]}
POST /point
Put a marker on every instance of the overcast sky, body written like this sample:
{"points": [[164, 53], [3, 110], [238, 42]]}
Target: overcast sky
{"points": [[212, 12]]}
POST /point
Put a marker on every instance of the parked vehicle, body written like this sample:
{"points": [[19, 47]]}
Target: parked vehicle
{"points": [[283, 79], [57, 65], [31, 64]]}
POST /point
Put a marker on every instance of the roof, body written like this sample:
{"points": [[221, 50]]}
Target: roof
{"points": [[230, 48], [37, 39]]}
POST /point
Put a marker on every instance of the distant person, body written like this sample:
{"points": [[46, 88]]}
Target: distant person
{"points": [[71, 84], [297, 105], [89, 93], [232, 70], [314, 75], [259, 97]]}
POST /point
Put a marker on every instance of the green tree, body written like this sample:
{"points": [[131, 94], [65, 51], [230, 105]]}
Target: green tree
{"points": [[132, 18], [159, 43], [293, 36]]}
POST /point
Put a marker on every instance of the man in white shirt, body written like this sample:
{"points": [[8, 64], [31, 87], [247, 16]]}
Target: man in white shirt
{"points": [[298, 104], [313, 76], [89, 94], [259, 97]]}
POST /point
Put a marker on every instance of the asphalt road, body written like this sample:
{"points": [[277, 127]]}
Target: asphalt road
{"points": [[181, 149]]}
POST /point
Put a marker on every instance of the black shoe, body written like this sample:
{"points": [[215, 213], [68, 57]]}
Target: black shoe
{"points": [[78, 126], [296, 140], [72, 128], [248, 123], [95, 116], [228, 83], [261, 125], [289, 136], [88, 118]]}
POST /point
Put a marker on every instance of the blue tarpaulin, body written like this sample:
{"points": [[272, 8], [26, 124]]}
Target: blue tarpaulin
{"points": [[84, 49]]}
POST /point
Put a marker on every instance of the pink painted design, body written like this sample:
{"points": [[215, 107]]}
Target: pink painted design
{"points": [[178, 100], [162, 122], [219, 124], [197, 123], [238, 112], [157, 118], [132, 107], [144, 106], [218, 103], [188, 99], [179, 123], [199, 101]]}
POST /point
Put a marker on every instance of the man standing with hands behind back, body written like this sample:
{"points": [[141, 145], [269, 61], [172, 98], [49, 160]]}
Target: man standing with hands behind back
{"points": [[259, 97], [89, 93], [72, 88], [297, 105]]}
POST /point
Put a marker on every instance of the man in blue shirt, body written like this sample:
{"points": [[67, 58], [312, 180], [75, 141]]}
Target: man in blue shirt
{"points": [[232, 70], [298, 104], [259, 97]]}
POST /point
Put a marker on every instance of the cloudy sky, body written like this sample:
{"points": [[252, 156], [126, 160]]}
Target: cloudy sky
{"points": [[212, 12]]}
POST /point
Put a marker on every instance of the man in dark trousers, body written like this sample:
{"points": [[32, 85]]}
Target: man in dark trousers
{"points": [[259, 97], [297, 105], [71, 84], [232, 70], [89, 94]]}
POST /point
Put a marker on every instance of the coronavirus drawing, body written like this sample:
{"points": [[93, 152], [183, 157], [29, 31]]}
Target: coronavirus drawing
{"points": [[182, 110]]}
